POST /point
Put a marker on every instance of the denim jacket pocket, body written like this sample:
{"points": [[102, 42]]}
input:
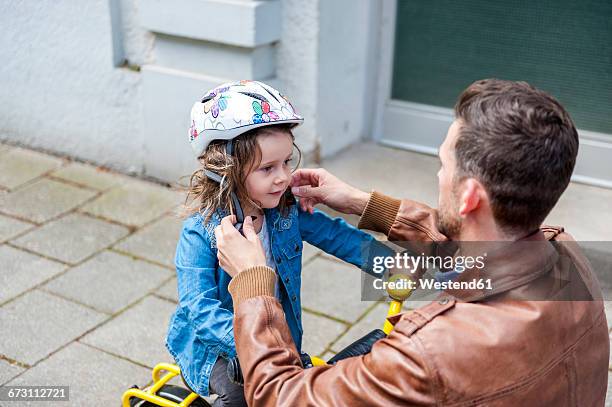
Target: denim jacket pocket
{"points": [[293, 247]]}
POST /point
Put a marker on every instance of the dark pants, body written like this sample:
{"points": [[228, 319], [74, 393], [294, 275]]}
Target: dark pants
{"points": [[229, 394]]}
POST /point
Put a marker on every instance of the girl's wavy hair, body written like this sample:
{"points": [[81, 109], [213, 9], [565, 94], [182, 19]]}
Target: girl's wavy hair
{"points": [[205, 196]]}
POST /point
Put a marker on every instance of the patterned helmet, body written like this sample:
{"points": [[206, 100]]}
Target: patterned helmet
{"points": [[231, 109]]}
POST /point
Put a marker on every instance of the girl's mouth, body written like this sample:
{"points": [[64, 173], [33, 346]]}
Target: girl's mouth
{"points": [[278, 193]]}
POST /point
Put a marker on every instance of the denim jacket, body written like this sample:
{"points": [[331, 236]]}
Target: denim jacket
{"points": [[201, 328]]}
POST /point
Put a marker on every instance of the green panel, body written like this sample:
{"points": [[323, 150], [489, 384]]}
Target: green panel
{"points": [[561, 46]]}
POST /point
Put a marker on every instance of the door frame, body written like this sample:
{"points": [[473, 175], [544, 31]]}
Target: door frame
{"points": [[428, 124]]}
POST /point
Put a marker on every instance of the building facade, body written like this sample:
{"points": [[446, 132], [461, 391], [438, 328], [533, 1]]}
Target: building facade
{"points": [[112, 81]]}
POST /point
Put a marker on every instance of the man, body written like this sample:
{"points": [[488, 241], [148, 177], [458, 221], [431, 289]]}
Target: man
{"points": [[505, 162]]}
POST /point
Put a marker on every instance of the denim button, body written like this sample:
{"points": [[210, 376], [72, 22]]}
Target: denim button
{"points": [[278, 260], [293, 298], [286, 279]]}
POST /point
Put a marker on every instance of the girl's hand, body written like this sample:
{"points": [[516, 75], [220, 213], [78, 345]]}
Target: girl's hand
{"points": [[237, 253]]}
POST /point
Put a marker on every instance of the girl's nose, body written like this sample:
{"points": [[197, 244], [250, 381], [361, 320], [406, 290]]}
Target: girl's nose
{"points": [[281, 179]]}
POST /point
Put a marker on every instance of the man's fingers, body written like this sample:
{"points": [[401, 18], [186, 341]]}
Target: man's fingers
{"points": [[227, 223], [300, 177], [249, 229], [306, 191], [303, 204], [306, 176], [218, 234], [308, 204]]}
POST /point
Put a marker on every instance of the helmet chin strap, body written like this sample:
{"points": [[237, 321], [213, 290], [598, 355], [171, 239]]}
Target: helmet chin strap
{"points": [[229, 147]]}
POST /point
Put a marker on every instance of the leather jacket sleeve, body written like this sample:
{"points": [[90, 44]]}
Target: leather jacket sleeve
{"points": [[273, 373], [401, 220]]}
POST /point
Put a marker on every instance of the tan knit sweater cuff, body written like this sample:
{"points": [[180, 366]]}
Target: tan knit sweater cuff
{"points": [[252, 282], [380, 213]]}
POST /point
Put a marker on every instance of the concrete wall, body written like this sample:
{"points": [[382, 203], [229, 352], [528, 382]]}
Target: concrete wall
{"points": [[70, 73], [61, 90], [347, 66]]}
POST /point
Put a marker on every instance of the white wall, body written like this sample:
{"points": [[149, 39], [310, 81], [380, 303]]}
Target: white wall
{"points": [[347, 65], [64, 92], [61, 90]]}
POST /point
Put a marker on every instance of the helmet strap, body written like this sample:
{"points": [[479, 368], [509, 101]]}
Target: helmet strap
{"points": [[229, 147]]}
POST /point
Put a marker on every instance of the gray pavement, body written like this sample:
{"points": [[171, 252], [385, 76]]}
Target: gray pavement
{"points": [[86, 278]]}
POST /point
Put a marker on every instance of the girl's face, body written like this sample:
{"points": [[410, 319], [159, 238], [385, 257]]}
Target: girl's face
{"points": [[268, 181]]}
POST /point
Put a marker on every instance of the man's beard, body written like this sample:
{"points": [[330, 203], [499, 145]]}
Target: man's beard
{"points": [[449, 222]]}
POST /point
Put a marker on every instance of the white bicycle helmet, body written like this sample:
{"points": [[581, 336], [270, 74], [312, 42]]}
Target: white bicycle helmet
{"points": [[232, 109]]}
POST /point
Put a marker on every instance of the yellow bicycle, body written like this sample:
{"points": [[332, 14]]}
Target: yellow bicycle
{"points": [[166, 395]]}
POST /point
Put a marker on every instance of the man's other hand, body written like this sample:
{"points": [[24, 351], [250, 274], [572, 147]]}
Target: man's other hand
{"points": [[237, 253]]}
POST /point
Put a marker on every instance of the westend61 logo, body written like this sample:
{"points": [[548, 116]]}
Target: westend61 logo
{"points": [[404, 261]]}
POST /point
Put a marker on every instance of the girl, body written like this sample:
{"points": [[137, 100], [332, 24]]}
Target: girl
{"points": [[242, 135]]}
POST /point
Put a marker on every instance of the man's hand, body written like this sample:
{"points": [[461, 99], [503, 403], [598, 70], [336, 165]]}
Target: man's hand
{"points": [[315, 186], [237, 253]]}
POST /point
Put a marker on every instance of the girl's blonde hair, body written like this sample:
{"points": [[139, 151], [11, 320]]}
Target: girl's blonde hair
{"points": [[205, 196]]}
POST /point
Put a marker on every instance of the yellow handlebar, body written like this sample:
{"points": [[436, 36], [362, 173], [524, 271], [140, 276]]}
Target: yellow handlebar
{"points": [[397, 288]]}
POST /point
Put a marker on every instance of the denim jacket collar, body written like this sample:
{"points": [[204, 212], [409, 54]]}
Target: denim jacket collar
{"points": [[274, 221]]}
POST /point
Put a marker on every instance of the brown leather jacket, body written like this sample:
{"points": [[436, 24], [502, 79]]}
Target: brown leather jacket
{"points": [[490, 349]]}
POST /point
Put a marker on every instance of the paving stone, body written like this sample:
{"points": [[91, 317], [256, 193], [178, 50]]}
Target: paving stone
{"points": [[155, 242], [7, 370], [169, 290], [72, 238], [4, 148], [95, 378], [133, 203], [375, 318], [395, 172], [10, 227], [333, 288], [309, 252], [88, 175], [43, 200], [138, 333], [368, 165], [39, 323], [328, 355], [583, 212], [319, 332], [109, 281], [19, 166], [21, 271]]}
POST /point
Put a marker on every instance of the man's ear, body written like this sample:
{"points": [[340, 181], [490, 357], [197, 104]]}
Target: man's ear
{"points": [[471, 196]]}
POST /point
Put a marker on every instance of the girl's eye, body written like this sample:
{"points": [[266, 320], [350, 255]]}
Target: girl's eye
{"points": [[288, 161], [267, 169]]}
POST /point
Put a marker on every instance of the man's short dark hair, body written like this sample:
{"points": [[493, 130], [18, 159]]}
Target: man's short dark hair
{"points": [[521, 144]]}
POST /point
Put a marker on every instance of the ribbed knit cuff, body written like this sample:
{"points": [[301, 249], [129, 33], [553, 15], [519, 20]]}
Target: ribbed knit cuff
{"points": [[380, 213], [252, 282]]}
